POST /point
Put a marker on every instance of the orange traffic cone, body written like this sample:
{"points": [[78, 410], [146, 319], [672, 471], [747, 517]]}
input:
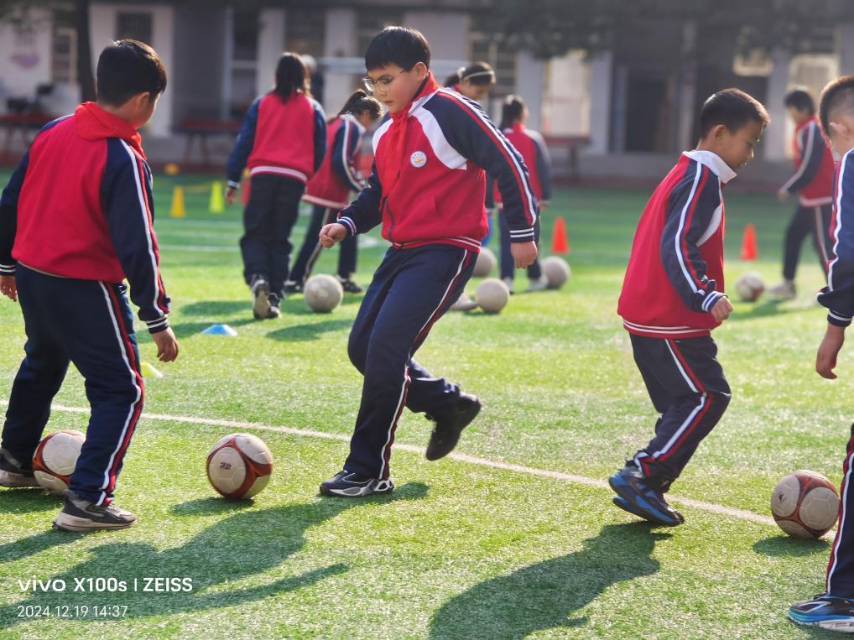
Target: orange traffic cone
{"points": [[560, 240], [749, 249]]}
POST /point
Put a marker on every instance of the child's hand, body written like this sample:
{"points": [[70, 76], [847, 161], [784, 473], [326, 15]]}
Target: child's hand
{"points": [[230, 195], [524, 253], [331, 234], [722, 309], [9, 288], [825, 359], [782, 195], [167, 345]]}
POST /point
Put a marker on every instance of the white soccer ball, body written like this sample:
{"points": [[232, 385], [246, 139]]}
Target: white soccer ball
{"points": [[55, 459], [484, 264], [557, 271], [805, 504], [239, 466], [749, 287], [323, 293], [492, 295]]}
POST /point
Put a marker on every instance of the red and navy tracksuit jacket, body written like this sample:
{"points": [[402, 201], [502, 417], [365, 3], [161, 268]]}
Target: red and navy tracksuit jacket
{"points": [[675, 272], [532, 148], [337, 177], [814, 166], [80, 206], [267, 144], [76, 219], [439, 183], [838, 297]]}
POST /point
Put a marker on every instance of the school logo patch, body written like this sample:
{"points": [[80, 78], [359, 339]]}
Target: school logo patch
{"points": [[418, 159]]}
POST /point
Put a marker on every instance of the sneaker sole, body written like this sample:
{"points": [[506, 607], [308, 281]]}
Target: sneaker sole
{"points": [[642, 510], [840, 624], [432, 456], [67, 522], [383, 487], [17, 481]]}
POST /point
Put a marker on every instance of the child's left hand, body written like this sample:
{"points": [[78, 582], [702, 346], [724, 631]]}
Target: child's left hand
{"points": [[825, 360], [524, 253], [230, 195], [9, 288]]}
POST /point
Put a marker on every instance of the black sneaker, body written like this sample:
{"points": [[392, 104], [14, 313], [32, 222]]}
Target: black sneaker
{"points": [[450, 424], [261, 296], [292, 287], [81, 515], [275, 302], [352, 485], [638, 498], [15, 474], [349, 286], [826, 612]]}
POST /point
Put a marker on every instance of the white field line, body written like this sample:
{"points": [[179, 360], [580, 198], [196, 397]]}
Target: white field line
{"points": [[729, 512]]}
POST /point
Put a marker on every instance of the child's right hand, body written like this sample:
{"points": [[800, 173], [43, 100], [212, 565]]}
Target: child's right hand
{"points": [[230, 195], [331, 234], [167, 345], [722, 309], [9, 288], [825, 359]]}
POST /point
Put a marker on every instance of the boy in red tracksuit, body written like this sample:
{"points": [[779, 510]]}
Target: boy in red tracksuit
{"points": [[813, 182], [282, 141], [427, 189], [330, 188], [76, 220], [673, 296]]}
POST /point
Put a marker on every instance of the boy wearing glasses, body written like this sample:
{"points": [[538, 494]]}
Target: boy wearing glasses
{"points": [[427, 188]]}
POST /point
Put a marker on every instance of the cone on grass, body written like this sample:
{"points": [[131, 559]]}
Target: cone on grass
{"points": [[217, 203], [178, 209], [560, 240], [749, 248]]}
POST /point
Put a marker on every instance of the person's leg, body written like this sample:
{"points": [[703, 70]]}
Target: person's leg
{"points": [[535, 271], [258, 229], [422, 287], [700, 395], [286, 209], [40, 375], [821, 218], [800, 226], [310, 249], [347, 257]]}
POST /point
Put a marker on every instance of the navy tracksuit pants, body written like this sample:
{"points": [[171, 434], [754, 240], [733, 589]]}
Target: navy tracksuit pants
{"points": [[89, 324], [410, 291], [507, 266], [268, 219], [840, 567], [807, 221], [687, 387], [310, 249]]}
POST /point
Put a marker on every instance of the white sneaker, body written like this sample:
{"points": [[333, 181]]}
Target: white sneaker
{"points": [[464, 303], [538, 284], [783, 291], [509, 283]]}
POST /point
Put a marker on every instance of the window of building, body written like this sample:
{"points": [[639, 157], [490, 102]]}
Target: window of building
{"points": [[134, 24]]}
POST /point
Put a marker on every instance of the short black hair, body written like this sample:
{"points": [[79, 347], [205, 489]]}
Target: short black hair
{"points": [[732, 108], [397, 45], [837, 95], [801, 100], [126, 68]]}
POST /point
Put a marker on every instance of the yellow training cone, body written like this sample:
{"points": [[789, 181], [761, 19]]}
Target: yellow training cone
{"points": [[217, 205], [178, 210], [148, 371]]}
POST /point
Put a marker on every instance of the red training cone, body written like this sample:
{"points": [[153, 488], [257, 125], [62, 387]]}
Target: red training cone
{"points": [[560, 240], [749, 249]]}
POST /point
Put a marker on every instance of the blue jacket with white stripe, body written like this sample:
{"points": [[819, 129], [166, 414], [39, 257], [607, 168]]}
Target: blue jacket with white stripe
{"points": [[838, 295]]}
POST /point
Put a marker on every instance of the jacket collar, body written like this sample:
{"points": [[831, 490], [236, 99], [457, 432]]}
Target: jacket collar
{"points": [[714, 162]]}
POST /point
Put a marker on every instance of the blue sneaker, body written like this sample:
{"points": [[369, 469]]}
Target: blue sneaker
{"points": [[825, 611], [636, 497]]}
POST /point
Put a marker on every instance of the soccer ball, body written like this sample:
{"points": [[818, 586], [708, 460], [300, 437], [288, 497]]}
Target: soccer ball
{"points": [[805, 504], [484, 264], [557, 272], [239, 466], [492, 295], [323, 293], [749, 287], [55, 459]]}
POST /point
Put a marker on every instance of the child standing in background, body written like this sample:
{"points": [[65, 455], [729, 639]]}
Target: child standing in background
{"points": [[282, 141], [331, 186]]}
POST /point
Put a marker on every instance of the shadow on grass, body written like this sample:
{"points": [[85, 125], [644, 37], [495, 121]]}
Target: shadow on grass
{"points": [[311, 331], [787, 546], [543, 596], [216, 307], [28, 500], [235, 548], [765, 310]]}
